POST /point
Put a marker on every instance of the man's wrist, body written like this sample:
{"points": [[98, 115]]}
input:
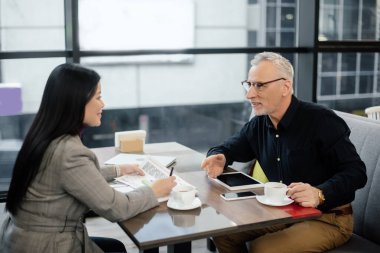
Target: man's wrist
{"points": [[321, 197]]}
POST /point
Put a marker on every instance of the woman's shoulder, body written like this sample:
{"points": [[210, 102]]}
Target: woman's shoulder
{"points": [[69, 145], [67, 151], [66, 140]]}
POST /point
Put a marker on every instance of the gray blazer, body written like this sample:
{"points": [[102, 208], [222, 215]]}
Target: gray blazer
{"points": [[68, 184]]}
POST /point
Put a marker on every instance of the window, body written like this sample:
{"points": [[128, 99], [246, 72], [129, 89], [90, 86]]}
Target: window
{"points": [[170, 94], [350, 78], [356, 84], [136, 25], [24, 30], [348, 20]]}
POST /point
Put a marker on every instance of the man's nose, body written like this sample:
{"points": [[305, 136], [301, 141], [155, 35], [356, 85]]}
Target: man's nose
{"points": [[251, 93]]}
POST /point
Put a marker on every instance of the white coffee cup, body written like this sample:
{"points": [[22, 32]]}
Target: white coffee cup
{"points": [[275, 192], [183, 195]]}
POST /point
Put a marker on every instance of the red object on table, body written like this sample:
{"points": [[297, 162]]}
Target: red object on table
{"points": [[297, 211]]}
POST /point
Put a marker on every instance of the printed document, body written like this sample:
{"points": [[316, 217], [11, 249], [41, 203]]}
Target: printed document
{"points": [[153, 171], [167, 161]]}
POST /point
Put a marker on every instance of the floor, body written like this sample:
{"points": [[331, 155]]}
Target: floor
{"points": [[97, 226]]}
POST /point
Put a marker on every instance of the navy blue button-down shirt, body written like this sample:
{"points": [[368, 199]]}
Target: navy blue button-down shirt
{"points": [[311, 145]]}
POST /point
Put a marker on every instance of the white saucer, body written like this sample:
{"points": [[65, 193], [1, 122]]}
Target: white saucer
{"points": [[265, 201], [174, 205]]}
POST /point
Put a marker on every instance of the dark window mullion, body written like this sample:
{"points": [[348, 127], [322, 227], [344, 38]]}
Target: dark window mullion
{"points": [[72, 30], [348, 46]]}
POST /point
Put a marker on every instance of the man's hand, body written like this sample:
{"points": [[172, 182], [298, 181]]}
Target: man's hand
{"points": [[214, 165], [303, 194]]}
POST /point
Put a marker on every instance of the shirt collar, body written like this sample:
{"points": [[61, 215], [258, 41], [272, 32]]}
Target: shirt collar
{"points": [[288, 116]]}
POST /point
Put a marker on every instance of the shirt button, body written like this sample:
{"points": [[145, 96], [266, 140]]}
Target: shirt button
{"points": [[278, 159], [277, 135]]}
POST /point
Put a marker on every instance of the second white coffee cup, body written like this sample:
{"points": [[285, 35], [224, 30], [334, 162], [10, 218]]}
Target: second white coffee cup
{"points": [[275, 191], [183, 195]]}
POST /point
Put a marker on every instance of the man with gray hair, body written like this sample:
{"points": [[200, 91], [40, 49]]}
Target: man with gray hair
{"points": [[304, 145]]}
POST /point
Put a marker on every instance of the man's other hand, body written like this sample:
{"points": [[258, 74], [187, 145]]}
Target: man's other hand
{"points": [[303, 194]]}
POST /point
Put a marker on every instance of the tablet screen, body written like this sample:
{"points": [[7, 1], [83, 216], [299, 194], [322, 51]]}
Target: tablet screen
{"points": [[236, 179]]}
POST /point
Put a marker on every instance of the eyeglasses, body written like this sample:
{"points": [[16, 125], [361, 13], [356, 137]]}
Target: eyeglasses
{"points": [[258, 85]]}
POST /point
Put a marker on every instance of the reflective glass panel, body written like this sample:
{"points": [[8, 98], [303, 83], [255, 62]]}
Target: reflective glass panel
{"points": [[366, 84], [32, 25], [347, 84], [349, 20], [367, 61], [21, 86], [288, 17], [176, 24], [348, 81], [328, 86], [348, 61], [329, 62]]}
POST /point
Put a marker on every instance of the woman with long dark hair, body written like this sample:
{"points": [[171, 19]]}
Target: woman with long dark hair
{"points": [[56, 179]]}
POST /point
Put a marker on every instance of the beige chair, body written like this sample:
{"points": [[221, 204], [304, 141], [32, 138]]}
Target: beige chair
{"points": [[373, 112]]}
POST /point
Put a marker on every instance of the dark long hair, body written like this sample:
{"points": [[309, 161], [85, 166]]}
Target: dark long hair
{"points": [[67, 91]]}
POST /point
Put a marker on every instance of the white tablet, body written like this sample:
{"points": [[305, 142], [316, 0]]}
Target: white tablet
{"points": [[237, 181]]}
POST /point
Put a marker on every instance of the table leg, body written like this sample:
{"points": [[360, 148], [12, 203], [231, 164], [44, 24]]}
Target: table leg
{"points": [[210, 245], [184, 247]]}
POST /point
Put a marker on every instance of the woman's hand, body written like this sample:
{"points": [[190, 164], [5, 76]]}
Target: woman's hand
{"points": [[130, 169], [163, 187]]}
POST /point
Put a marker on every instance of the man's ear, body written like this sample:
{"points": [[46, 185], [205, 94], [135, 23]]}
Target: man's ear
{"points": [[287, 88]]}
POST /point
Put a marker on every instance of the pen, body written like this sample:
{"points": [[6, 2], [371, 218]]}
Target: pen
{"points": [[171, 172]]}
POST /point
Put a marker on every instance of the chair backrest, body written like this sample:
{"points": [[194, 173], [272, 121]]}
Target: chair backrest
{"points": [[365, 135], [373, 112]]}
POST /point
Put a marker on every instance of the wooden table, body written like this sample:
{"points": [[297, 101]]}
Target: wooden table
{"points": [[162, 226]]}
